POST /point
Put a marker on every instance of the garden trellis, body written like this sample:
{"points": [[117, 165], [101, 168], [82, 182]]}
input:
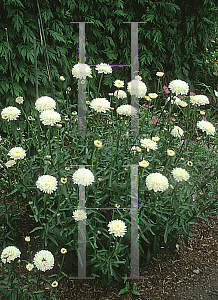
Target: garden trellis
{"points": [[134, 274]]}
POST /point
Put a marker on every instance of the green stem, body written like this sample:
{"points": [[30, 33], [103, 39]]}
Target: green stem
{"points": [[110, 234], [118, 246], [49, 143], [100, 82]]}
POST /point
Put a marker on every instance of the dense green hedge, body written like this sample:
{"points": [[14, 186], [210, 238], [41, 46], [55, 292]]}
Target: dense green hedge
{"points": [[173, 40]]}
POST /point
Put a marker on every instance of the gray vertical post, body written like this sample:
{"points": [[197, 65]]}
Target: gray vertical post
{"points": [[134, 255], [82, 235], [82, 87], [82, 132]]}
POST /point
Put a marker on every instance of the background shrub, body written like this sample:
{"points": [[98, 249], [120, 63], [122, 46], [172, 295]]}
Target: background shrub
{"points": [[174, 39]]}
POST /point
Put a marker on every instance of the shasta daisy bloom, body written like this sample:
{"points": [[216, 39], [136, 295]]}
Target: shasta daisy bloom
{"points": [[126, 110], [63, 250], [153, 95], [179, 87], [147, 98], [119, 83], [136, 148], [11, 112], [47, 184], [19, 100], [175, 100], [159, 74], [50, 117], [44, 260], [144, 163], [29, 267], [120, 94], [199, 100], [155, 138], [183, 103], [54, 284], [103, 68], [97, 144], [170, 152], [190, 163], [80, 71], [10, 163], [79, 215], [180, 174], [177, 131], [83, 176], [17, 153], [117, 227], [10, 253], [157, 182], [45, 103], [100, 104], [207, 127], [149, 144], [138, 77], [63, 180], [137, 87]]}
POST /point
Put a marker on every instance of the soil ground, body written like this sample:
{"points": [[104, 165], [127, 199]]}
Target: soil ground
{"points": [[176, 278], [190, 273]]}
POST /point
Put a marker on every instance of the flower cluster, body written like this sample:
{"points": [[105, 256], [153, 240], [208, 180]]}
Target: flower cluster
{"points": [[157, 182], [9, 254], [207, 127], [179, 87], [47, 184], [199, 100], [83, 176], [180, 174], [17, 153], [79, 215], [117, 227], [177, 131], [45, 103], [44, 260], [100, 104], [19, 100], [126, 110], [10, 113], [149, 144], [80, 71], [119, 83], [144, 163], [103, 68], [120, 94], [137, 87], [50, 117]]}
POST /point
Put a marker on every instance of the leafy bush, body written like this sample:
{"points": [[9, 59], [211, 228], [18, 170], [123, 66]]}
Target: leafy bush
{"points": [[164, 215], [174, 39]]}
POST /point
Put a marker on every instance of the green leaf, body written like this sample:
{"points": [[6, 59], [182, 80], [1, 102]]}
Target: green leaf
{"points": [[134, 291], [11, 193], [125, 290], [167, 231]]}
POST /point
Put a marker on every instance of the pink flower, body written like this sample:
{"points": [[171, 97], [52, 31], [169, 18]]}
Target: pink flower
{"points": [[211, 149], [204, 119], [192, 94], [167, 120], [194, 197], [165, 88], [144, 106], [155, 120]]}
